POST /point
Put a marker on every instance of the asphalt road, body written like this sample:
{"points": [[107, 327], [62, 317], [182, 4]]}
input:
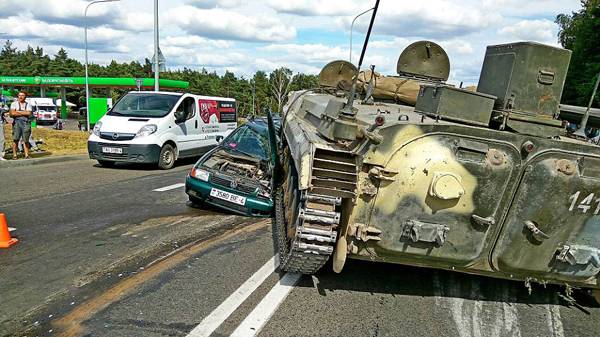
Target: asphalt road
{"points": [[111, 257]]}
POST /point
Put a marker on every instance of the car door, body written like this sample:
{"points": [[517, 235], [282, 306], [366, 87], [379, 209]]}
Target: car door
{"points": [[186, 130]]}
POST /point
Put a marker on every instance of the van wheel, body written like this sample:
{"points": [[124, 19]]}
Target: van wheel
{"points": [[166, 160], [106, 163]]}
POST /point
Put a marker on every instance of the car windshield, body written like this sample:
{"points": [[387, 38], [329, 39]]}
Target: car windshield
{"points": [[249, 141], [144, 105]]}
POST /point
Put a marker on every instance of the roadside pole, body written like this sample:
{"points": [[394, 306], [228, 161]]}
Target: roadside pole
{"points": [[87, 84], [156, 61]]}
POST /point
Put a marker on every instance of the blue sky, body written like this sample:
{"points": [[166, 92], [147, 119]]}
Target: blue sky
{"points": [[245, 36]]}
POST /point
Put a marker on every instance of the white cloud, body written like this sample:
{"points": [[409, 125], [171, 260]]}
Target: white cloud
{"points": [[215, 3], [223, 24], [433, 19], [137, 22], [191, 41], [8, 9], [522, 8], [534, 30], [72, 13], [270, 65], [309, 53], [183, 56], [69, 36], [397, 43], [457, 46], [318, 7]]}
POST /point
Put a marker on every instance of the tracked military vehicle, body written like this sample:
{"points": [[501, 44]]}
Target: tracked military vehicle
{"points": [[484, 182]]}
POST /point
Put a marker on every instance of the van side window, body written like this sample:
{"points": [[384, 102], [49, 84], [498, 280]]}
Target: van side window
{"points": [[187, 107]]}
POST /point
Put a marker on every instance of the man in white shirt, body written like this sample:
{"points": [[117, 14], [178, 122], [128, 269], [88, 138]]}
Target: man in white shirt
{"points": [[2, 122], [20, 111]]}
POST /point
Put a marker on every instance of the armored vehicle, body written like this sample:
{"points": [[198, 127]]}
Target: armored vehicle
{"points": [[484, 182]]}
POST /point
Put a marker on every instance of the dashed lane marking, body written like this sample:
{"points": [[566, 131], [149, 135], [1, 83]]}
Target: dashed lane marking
{"points": [[211, 322], [168, 188], [261, 314]]}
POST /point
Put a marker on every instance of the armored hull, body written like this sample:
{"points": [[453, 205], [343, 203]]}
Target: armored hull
{"points": [[428, 192]]}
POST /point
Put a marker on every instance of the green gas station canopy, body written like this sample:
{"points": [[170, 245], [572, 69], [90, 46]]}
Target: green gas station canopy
{"points": [[122, 82]]}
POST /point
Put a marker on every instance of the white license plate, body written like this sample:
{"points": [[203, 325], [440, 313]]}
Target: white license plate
{"points": [[116, 150], [236, 199]]}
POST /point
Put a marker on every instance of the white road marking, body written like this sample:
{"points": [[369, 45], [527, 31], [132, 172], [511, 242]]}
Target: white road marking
{"points": [[554, 321], [11, 229], [168, 188], [211, 322], [474, 317], [511, 320], [261, 314]]}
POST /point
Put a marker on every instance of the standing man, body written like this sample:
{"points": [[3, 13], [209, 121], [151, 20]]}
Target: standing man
{"points": [[20, 111], [2, 122]]}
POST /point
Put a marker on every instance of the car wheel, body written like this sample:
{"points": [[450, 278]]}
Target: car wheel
{"points": [[166, 160], [106, 163], [195, 201]]}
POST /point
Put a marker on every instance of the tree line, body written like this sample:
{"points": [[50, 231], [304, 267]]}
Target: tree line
{"points": [[264, 90]]}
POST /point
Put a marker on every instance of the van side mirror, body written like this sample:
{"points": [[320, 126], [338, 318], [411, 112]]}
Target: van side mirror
{"points": [[179, 117]]}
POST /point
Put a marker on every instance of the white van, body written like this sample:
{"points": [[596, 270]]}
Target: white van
{"points": [[161, 127]]}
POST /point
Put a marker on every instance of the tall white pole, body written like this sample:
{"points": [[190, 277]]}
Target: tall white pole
{"points": [[87, 81], [87, 84], [156, 61]]}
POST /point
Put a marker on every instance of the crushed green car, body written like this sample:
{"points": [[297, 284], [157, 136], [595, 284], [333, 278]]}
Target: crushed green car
{"points": [[236, 175]]}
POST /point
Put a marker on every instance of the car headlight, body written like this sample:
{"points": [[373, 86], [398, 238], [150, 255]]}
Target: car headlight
{"points": [[199, 174], [146, 130], [264, 194], [96, 129]]}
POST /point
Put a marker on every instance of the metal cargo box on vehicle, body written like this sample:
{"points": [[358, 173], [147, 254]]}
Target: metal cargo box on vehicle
{"points": [[526, 77], [455, 104]]}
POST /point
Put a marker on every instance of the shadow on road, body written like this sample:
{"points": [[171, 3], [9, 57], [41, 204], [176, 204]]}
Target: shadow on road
{"points": [[147, 167], [383, 278]]}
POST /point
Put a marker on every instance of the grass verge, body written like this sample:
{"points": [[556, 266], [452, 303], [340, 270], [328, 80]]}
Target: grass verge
{"points": [[56, 142]]}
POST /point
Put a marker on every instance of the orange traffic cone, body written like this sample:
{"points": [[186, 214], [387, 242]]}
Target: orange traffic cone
{"points": [[5, 239]]}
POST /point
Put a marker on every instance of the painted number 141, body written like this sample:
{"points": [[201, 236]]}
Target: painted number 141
{"points": [[586, 204]]}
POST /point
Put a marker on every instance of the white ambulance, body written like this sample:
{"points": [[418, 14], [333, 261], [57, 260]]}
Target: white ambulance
{"points": [[44, 109], [161, 127]]}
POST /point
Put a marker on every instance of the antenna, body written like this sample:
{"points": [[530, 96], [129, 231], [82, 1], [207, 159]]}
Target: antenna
{"points": [[586, 116], [348, 108]]}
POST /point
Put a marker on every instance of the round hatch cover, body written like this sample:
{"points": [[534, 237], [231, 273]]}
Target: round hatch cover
{"points": [[424, 59], [337, 74]]}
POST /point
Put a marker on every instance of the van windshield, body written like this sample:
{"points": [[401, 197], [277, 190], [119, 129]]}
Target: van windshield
{"points": [[144, 105]]}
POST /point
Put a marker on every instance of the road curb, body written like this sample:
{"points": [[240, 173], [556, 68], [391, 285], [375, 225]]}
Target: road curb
{"points": [[40, 161]]}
